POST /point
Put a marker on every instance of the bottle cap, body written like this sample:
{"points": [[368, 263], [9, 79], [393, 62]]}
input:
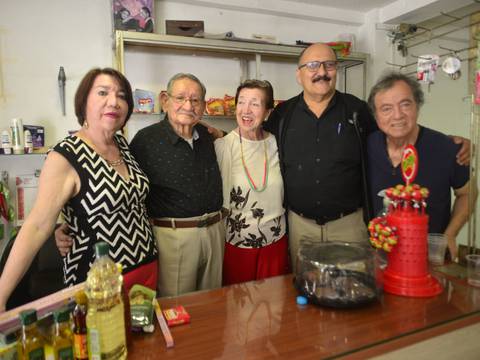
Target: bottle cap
{"points": [[101, 249], [28, 316], [61, 315], [81, 297], [301, 300]]}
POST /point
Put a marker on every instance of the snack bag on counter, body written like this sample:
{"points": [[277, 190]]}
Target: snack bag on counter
{"points": [[229, 105], [141, 307], [215, 107]]}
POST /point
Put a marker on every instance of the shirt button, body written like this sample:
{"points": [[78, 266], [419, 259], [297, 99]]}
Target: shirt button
{"points": [[318, 140], [317, 181], [318, 202], [317, 160]]}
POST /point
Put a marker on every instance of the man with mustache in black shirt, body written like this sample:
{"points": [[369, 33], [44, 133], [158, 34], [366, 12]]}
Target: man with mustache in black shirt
{"points": [[321, 137]]}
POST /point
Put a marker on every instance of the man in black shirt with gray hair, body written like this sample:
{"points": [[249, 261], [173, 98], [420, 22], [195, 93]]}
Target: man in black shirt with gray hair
{"points": [[185, 199]]}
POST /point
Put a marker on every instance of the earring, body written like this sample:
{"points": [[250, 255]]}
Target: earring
{"points": [[85, 124]]}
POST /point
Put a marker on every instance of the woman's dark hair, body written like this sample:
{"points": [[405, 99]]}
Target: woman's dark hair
{"points": [[86, 84], [147, 10], [263, 85]]}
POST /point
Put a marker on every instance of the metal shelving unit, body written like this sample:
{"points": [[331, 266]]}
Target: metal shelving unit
{"points": [[243, 50]]}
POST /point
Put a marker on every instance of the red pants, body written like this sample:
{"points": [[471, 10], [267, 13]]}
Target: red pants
{"points": [[240, 265], [145, 275]]}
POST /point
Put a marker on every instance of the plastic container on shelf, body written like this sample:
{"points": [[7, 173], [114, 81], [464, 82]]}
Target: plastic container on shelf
{"points": [[6, 142], [336, 274], [28, 144], [17, 136]]}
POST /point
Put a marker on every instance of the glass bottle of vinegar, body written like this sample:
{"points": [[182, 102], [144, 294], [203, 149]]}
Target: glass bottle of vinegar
{"points": [[80, 345]]}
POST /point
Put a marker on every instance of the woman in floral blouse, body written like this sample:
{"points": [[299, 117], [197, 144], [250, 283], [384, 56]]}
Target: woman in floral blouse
{"points": [[256, 244]]}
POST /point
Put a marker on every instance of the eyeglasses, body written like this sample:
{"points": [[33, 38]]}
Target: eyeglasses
{"points": [[181, 100], [329, 65]]}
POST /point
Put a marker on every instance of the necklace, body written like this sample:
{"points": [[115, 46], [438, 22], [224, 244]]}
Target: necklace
{"points": [[112, 163], [265, 166], [115, 163]]}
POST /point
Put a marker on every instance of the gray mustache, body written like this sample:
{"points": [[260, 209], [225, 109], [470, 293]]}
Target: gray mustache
{"points": [[321, 77]]}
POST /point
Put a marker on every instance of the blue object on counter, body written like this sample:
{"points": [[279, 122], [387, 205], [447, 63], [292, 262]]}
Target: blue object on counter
{"points": [[301, 300]]}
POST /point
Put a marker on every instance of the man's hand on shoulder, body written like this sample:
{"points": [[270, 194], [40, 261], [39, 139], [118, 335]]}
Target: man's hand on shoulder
{"points": [[463, 156], [63, 241], [216, 133]]}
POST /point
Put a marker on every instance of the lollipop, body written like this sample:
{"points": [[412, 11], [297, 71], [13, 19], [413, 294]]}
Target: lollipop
{"points": [[409, 164]]}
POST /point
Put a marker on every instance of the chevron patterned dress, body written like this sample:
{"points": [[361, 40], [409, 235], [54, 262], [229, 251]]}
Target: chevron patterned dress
{"points": [[107, 208]]}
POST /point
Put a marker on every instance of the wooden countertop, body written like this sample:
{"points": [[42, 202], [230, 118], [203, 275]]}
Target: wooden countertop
{"points": [[261, 320]]}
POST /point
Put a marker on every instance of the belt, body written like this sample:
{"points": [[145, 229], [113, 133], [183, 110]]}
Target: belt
{"points": [[322, 220], [200, 223]]}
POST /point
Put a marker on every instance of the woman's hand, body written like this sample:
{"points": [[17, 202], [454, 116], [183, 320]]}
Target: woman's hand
{"points": [[63, 241]]}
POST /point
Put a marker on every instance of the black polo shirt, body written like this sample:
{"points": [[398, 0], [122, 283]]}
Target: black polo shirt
{"points": [[322, 161], [184, 182]]}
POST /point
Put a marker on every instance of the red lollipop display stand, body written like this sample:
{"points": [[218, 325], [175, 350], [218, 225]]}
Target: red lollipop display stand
{"points": [[403, 232], [407, 271]]}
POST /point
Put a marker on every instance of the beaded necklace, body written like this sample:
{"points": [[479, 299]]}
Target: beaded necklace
{"points": [[265, 166]]}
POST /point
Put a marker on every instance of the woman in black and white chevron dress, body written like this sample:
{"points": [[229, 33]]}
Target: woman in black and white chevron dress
{"points": [[98, 186]]}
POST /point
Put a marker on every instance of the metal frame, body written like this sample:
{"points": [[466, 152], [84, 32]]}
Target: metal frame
{"points": [[232, 47]]}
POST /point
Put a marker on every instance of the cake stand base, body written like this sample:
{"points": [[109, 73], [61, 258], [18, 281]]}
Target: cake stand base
{"points": [[425, 286]]}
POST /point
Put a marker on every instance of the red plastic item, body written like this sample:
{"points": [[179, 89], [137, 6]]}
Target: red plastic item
{"points": [[407, 271]]}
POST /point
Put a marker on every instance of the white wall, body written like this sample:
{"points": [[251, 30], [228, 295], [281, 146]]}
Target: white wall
{"points": [[39, 36], [36, 38]]}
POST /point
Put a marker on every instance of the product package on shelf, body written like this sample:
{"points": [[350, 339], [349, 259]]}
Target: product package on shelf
{"points": [[229, 105], [215, 107], [144, 101], [38, 135]]}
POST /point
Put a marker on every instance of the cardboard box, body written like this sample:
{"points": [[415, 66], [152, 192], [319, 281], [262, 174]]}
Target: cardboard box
{"points": [[38, 135], [183, 27]]}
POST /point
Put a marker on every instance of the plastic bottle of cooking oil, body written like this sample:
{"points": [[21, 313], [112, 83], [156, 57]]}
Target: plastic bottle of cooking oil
{"points": [[31, 345], [105, 314], [62, 338]]}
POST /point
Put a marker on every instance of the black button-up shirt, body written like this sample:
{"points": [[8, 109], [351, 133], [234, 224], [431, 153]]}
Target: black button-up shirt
{"points": [[322, 161], [184, 182]]}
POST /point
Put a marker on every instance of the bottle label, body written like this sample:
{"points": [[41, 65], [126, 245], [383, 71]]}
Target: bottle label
{"points": [[94, 344], [80, 344], [108, 334], [36, 354], [65, 353]]}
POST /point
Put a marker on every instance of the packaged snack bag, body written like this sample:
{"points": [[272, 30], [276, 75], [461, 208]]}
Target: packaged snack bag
{"points": [[215, 107], [229, 105]]}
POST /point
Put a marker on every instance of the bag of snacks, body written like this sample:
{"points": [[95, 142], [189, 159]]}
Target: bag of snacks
{"points": [[229, 105], [215, 106], [141, 307]]}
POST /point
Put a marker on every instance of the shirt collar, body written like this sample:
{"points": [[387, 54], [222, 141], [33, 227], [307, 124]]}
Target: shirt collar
{"points": [[173, 136], [331, 103]]}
